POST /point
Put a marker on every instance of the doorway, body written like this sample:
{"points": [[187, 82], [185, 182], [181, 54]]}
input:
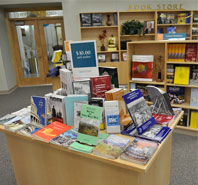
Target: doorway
{"points": [[34, 41]]}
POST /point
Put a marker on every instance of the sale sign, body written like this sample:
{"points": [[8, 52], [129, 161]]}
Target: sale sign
{"points": [[84, 59]]}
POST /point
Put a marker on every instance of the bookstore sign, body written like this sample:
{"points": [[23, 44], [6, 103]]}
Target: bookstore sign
{"points": [[169, 6]]}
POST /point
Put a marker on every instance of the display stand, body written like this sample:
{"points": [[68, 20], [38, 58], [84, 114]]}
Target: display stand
{"points": [[39, 163]]}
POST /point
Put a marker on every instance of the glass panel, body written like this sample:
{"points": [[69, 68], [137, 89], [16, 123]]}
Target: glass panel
{"points": [[54, 40], [25, 14], [27, 46]]}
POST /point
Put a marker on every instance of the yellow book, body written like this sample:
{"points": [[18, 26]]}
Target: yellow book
{"points": [[56, 57], [180, 53], [169, 52], [181, 75], [173, 53], [176, 52], [194, 119]]}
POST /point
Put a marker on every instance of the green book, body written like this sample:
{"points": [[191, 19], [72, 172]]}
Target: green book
{"points": [[81, 148], [89, 126]]}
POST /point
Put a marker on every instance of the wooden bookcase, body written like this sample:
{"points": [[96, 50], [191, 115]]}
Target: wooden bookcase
{"points": [[92, 33], [160, 48]]}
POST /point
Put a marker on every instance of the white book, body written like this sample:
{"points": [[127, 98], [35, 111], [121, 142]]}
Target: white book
{"points": [[77, 111], [66, 82], [112, 116]]}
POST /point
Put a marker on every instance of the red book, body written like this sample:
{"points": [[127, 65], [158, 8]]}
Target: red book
{"points": [[164, 120], [51, 131], [191, 52], [142, 67], [100, 85]]}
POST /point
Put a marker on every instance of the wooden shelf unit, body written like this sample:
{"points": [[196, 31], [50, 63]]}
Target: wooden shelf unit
{"points": [[158, 48], [92, 32]]}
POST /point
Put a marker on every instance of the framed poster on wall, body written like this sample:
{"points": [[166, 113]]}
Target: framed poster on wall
{"points": [[84, 59]]}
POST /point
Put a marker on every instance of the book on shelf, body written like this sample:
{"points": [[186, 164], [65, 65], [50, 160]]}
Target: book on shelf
{"points": [[139, 110], [66, 138], [171, 29], [9, 118], [100, 103], [57, 108], [97, 19], [100, 84], [174, 36], [194, 97], [176, 52], [155, 133], [194, 119], [192, 53], [89, 126], [124, 56], [101, 58], [114, 56], [85, 19], [170, 18], [69, 106], [176, 94], [117, 94], [185, 118], [84, 59], [182, 75], [77, 111], [142, 67], [160, 100], [38, 113], [195, 17], [111, 147], [82, 86], [194, 75], [66, 82], [112, 116], [149, 26], [51, 131], [139, 151], [112, 72], [28, 130]]}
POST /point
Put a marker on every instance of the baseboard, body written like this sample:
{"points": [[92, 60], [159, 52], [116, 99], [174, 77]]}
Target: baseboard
{"points": [[9, 91], [36, 85], [186, 132]]}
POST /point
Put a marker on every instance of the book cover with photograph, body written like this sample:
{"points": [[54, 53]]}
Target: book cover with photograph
{"points": [[28, 130], [176, 94], [139, 110], [142, 67], [99, 102], [155, 133], [111, 147], [97, 19], [112, 72], [139, 151], [82, 86], [38, 113], [65, 139], [149, 26], [114, 57], [85, 19], [112, 116], [57, 108], [77, 111], [89, 126], [160, 100], [101, 58], [191, 53], [194, 97], [66, 82], [15, 126]]}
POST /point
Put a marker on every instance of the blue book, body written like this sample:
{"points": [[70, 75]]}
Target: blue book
{"points": [[69, 106], [38, 111], [194, 97], [175, 36], [155, 133], [139, 111]]}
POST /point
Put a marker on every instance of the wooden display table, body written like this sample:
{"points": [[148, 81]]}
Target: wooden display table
{"points": [[39, 163]]}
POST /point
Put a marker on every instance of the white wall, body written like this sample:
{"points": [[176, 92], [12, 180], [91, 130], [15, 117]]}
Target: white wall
{"points": [[7, 76], [72, 8]]}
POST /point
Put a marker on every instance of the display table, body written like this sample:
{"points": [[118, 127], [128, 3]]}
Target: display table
{"points": [[39, 163]]}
